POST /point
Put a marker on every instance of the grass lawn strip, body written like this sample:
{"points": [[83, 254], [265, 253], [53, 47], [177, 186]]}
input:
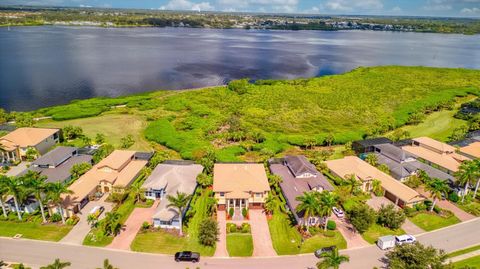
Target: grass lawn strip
{"points": [[463, 251], [375, 231], [239, 244], [31, 230], [430, 221], [473, 262]]}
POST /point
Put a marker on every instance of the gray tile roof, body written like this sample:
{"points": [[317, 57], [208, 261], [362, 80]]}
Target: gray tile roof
{"points": [[55, 157], [61, 172], [299, 165]]}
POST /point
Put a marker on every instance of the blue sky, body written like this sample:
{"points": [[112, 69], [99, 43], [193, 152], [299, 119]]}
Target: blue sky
{"points": [[456, 8]]}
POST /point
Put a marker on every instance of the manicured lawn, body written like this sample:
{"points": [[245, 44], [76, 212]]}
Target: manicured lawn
{"points": [[96, 238], [163, 242], [431, 221], [31, 230], [321, 240], [463, 251], [239, 244], [113, 126], [376, 231], [472, 208], [473, 262]]}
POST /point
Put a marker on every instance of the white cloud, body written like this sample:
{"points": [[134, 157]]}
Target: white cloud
{"points": [[260, 5], [354, 5], [397, 9], [187, 5], [471, 11]]}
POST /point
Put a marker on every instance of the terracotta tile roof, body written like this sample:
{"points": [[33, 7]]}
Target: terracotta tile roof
{"points": [[228, 177], [27, 137], [434, 144], [472, 150], [364, 171]]}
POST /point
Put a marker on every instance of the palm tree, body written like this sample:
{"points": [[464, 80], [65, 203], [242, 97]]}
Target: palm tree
{"points": [[3, 194], [467, 172], [477, 184], [14, 187], [372, 159], [137, 192], [57, 264], [327, 201], [271, 203], [180, 201], [36, 184], [112, 223], [308, 205], [107, 265], [332, 259], [352, 182], [377, 187], [436, 188], [55, 191]]}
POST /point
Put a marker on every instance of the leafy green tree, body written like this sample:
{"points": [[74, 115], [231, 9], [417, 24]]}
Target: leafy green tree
{"points": [[208, 161], [111, 223], [107, 265], [20, 266], [102, 152], [274, 181], [372, 159], [57, 264], [413, 181], [137, 192], [180, 202], [92, 220], [384, 168], [352, 183], [208, 232], [377, 187], [31, 154], [79, 169], [362, 217], [71, 132], [436, 187], [467, 172], [239, 86], [99, 139], [23, 120], [308, 206], [127, 141], [330, 139], [15, 188], [158, 157], [3, 116], [332, 259], [87, 141], [55, 192], [327, 200], [389, 217], [204, 180], [37, 185], [416, 256]]}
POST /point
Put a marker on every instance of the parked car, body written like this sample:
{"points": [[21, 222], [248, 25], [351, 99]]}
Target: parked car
{"points": [[97, 210], [386, 242], [338, 212], [405, 239], [318, 252], [187, 256]]}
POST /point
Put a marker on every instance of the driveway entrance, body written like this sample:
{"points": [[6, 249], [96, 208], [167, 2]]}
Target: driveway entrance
{"points": [[262, 242]]}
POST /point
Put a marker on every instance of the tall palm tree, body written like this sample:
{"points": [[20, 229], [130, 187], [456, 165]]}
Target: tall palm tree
{"points": [[180, 201], [372, 159], [111, 224], [271, 203], [107, 265], [352, 182], [332, 259], [308, 205], [477, 184], [467, 172], [55, 191], [137, 192], [57, 264], [15, 188], [3, 195], [327, 200], [436, 188], [37, 185], [377, 187]]}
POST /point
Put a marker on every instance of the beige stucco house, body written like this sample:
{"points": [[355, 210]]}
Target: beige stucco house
{"points": [[240, 185], [14, 145]]}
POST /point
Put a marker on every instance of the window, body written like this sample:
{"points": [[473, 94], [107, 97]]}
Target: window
{"points": [[258, 195], [222, 194]]}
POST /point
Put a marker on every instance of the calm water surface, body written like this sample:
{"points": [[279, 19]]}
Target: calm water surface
{"points": [[44, 66]]}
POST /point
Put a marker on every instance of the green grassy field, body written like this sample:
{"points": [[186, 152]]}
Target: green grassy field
{"points": [[163, 242], [375, 231], [430, 221], [239, 245], [47, 232], [463, 251], [473, 262], [113, 126]]}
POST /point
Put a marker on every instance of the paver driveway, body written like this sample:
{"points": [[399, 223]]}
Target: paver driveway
{"points": [[221, 248], [81, 229], [353, 238], [132, 226], [262, 242], [461, 215]]}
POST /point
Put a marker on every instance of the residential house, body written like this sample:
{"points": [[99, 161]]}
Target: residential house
{"points": [[367, 145], [436, 154], [113, 174], [14, 145], [298, 176], [168, 179], [240, 185], [397, 192], [402, 165]]}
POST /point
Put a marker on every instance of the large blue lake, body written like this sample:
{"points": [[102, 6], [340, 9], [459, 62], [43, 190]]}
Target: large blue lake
{"points": [[44, 66]]}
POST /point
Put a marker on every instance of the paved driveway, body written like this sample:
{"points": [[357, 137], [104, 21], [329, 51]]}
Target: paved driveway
{"points": [[262, 242], [353, 238], [221, 248], [461, 215], [81, 229], [132, 226]]}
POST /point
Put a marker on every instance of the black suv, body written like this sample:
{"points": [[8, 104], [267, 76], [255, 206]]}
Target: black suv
{"points": [[187, 256], [318, 252]]}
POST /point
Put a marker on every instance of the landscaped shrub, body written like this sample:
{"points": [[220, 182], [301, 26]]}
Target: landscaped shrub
{"points": [[410, 211], [244, 212], [331, 225], [362, 217], [389, 217], [453, 197], [421, 206], [145, 225], [208, 232], [231, 227], [246, 228], [349, 204], [56, 217], [437, 209], [231, 212], [72, 220]]}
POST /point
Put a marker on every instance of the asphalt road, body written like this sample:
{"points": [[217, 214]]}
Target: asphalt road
{"points": [[39, 253]]}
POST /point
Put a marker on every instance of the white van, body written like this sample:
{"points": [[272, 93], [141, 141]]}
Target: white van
{"points": [[405, 239]]}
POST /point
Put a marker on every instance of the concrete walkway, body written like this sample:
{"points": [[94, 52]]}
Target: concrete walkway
{"points": [[82, 228], [131, 227], [221, 248], [411, 228], [465, 256], [353, 238], [262, 242]]}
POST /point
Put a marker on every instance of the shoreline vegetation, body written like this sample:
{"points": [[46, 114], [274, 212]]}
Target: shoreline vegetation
{"points": [[102, 17], [255, 121]]}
